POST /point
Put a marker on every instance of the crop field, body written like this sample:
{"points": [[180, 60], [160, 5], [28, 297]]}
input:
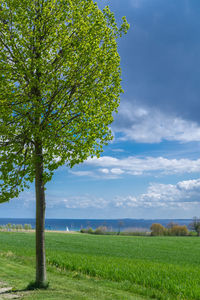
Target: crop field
{"points": [[154, 267]]}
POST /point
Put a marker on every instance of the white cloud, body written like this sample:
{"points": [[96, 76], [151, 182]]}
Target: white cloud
{"points": [[189, 185], [118, 150], [137, 166], [147, 125], [82, 173], [104, 171], [116, 171], [80, 202], [167, 195], [183, 195]]}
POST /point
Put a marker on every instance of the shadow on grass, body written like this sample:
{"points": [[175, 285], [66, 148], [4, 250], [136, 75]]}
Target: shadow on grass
{"points": [[30, 287], [33, 285]]}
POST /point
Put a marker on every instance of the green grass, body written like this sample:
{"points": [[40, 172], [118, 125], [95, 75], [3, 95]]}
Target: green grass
{"points": [[159, 267], [64, 285]]}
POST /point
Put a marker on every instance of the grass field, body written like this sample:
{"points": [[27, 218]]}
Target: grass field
{"points": [[153, 267]]}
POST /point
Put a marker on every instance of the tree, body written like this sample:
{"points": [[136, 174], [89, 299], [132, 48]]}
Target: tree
{"points": [[195, 225], [171, 225], [59, 84], [157, 229], [179, 230], [120, 224]]}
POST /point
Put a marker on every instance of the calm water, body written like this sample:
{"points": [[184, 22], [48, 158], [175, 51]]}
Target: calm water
{"points": [[112, 225]]}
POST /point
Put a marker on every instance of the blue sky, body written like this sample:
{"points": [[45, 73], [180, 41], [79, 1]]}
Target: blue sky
{"points": [[151, 168]]}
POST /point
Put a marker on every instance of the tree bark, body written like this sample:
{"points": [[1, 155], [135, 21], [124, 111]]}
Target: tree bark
{"points": [[40, 217]]}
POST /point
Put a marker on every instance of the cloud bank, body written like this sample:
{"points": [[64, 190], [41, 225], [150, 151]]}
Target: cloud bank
{"points": [[112, 168], [147, 125], [183, 195]]}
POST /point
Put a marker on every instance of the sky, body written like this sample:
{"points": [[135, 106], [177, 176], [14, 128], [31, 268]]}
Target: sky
{"points": [[151, 169]]}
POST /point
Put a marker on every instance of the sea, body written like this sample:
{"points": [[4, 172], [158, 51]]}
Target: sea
{"points": [[111, 224]]}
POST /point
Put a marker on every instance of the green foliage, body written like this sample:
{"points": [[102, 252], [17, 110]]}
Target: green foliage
{"points": [[171, 229], [88, 230], [17, 227], [9, 226], [27, 227], [157, 229], [178, 230], [59, 85], [101, 230], [192, 233], [195, 225]]}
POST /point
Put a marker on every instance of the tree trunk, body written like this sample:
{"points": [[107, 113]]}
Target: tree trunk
{"points": [[40, 217]]}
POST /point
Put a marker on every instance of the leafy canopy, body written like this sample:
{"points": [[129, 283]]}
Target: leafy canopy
{"points": [[59, 84]]}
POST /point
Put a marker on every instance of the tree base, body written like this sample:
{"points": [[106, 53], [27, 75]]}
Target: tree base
{"points": [[33, 285]]}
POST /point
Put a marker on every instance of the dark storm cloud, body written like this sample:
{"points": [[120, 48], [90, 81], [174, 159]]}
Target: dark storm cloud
{"points": [[161, 54]]}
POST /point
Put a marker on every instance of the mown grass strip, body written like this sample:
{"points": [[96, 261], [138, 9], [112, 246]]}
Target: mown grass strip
{"points": [[64, 285]]}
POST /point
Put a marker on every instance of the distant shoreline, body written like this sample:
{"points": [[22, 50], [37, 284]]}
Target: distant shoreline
{"points": [[72, 225]]}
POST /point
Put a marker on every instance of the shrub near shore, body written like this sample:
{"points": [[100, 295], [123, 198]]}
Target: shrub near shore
{"points": [[172, 229], [103, 230], [157, 229], [10, 227]]}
